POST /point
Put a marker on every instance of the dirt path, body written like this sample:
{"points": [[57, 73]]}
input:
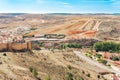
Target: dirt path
{"points": [[93, 62], [96, 27]]}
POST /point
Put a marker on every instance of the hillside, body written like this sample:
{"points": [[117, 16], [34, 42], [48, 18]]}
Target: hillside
{"points": [[56, 64]]}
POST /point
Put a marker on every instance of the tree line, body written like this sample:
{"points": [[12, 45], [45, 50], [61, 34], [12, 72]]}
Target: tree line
{"points": [[107, 46]]}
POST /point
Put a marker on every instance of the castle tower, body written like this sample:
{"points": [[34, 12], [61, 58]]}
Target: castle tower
{"points": [[29, 46]]}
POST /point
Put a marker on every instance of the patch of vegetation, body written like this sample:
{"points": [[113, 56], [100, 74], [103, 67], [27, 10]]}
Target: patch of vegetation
{"points": [[63, 46], [75, 71], [98, 55], [69, 76], [30, 69], [80, 78], [109, 65], [33, 71], [102, 61], [27, 36], [58, 36], [88, 75], [115, 58], [48, 77], [107, 46], [74, 45], [69, 67], [33, 28], [89, 55], [41, 44]]}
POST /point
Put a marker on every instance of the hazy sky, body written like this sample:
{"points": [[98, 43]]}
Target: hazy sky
{"points": [[59, 6]]}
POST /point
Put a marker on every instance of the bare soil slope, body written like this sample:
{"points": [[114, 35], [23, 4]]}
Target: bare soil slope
{"points": [[56, 64]]}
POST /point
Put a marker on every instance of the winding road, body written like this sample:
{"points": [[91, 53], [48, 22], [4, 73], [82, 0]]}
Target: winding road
{"points": [[95, 63]]}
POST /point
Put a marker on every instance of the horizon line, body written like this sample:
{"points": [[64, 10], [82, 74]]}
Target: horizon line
{"points": [[54, 13]]}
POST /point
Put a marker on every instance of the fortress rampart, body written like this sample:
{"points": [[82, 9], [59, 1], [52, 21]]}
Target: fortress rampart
{"points": [[15, 47]]}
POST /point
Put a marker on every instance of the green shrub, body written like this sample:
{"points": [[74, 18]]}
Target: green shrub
{"points": [[89, 55], [30, 69], [115, 58], [98, 55], [41, 44], [33, 71], [109, 65], [75, 71], [63, 46], [69, 76], [102, 61]]}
